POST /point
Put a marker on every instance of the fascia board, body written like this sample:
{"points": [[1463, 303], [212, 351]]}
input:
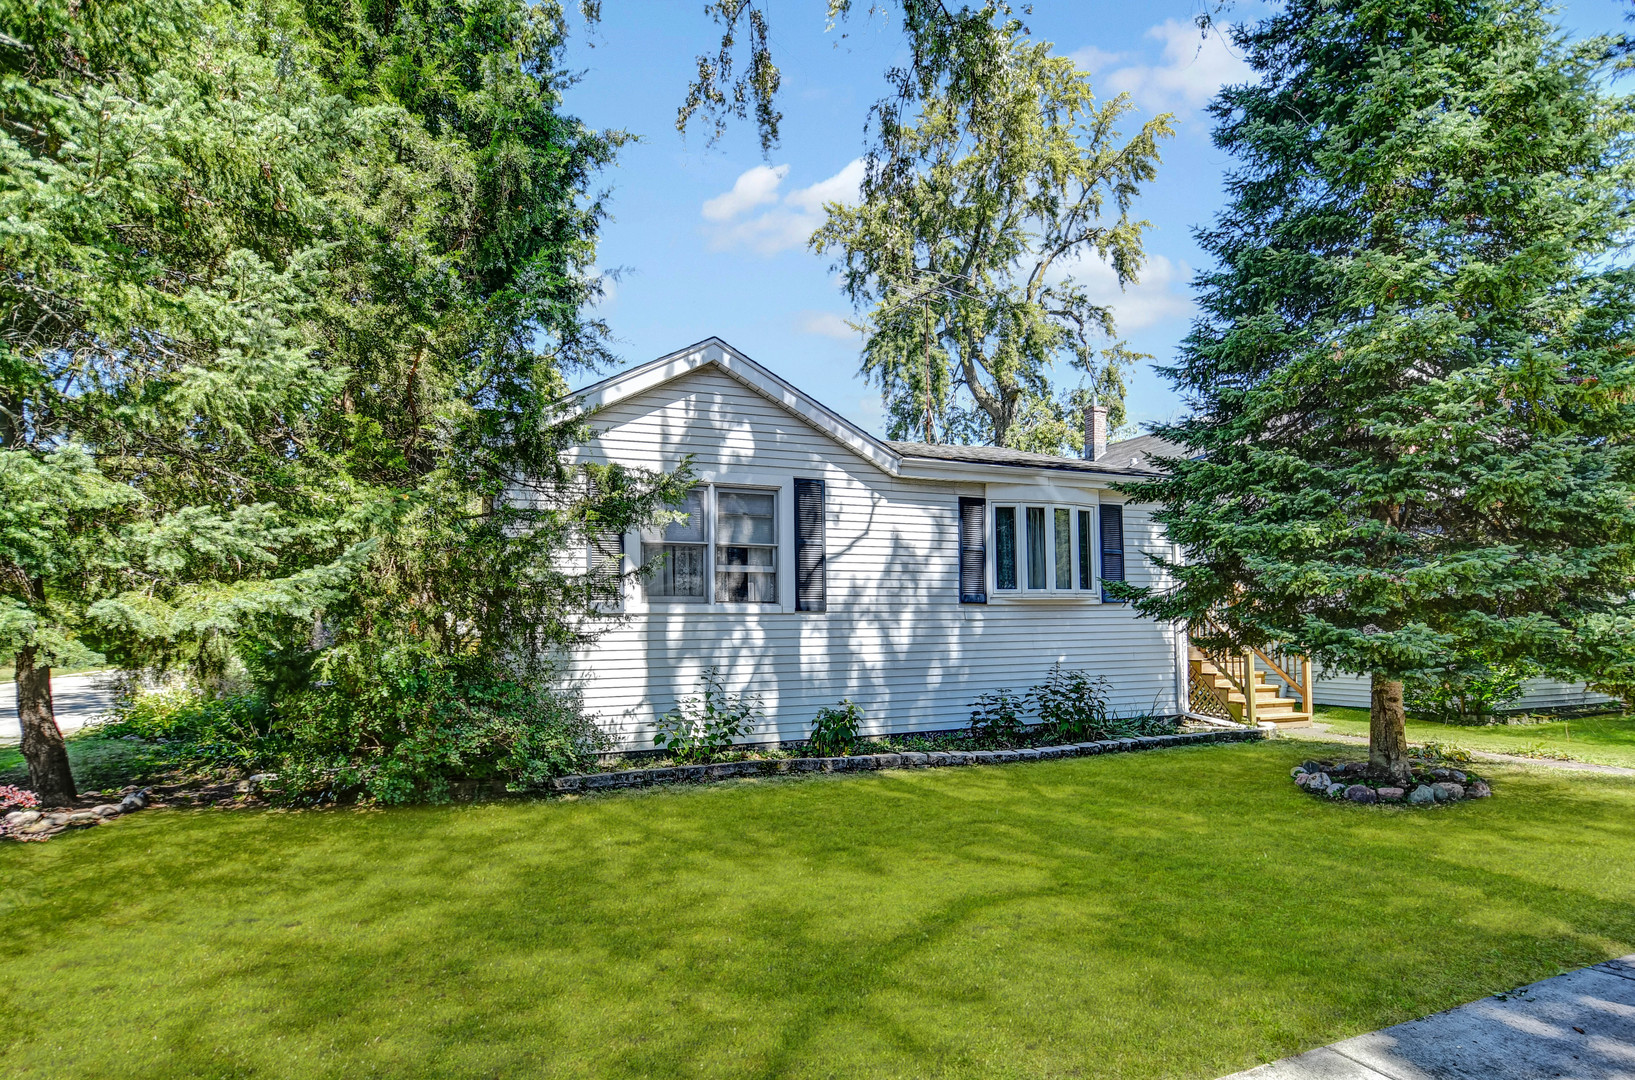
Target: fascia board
{"points": [[981, 472]]}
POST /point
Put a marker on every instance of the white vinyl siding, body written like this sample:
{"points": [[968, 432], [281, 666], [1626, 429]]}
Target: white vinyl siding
{"points": [[1354, 691], [894, 637]]}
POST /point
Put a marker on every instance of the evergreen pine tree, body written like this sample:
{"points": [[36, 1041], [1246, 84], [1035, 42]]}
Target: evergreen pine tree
{"points": [[1411, 385]]}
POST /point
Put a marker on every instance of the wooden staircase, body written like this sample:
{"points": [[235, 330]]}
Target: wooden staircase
{"points": [[1240, 685]]}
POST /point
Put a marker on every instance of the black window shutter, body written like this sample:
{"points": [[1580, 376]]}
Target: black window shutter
{"points": [[973, 552], [811, 593], [1112, 545], [607, 563]]}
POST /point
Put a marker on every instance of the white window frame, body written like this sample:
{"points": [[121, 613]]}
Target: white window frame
{"points": [[782, 488], [1020, 504]]}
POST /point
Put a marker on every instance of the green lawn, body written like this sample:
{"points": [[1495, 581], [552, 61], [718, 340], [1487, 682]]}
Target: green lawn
{"points": [[1174, 913], [1605, 740], [97, 763]]}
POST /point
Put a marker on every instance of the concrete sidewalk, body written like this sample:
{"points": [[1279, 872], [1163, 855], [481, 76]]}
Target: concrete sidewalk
{"points": [[1580, 1025]]}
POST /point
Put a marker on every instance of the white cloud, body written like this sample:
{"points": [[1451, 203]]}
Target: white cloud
{"points": [[1194, 67], [756, 187], [1094, 60], [1160, 295], [788, 223], [827, 324]]}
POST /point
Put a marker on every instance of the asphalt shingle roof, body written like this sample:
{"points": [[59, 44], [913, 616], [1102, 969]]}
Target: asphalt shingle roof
{"points": [[1126, 456]]}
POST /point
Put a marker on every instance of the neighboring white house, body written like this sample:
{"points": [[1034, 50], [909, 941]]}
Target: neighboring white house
{"points": [[1340, 688], [819, 563]]}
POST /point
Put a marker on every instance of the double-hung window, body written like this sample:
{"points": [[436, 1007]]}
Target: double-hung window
{"points": [[680, 550], [723, 549], [1043, 550], [746, 547]]}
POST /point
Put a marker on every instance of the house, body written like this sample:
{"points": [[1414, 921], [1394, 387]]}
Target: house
{"points": [[818, 563]]}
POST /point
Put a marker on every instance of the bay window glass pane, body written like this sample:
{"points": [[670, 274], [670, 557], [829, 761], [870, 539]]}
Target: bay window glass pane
{"points": [[1038, 566], [1004, 547], [1064, 549], [1087, 574], [680, 574], [691, 529], [743, 517]]}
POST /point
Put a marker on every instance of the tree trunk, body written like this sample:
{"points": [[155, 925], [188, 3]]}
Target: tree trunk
{"points": [[1387, 729], [43, 748]]}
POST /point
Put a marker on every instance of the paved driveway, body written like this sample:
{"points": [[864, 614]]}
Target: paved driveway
{"points": [[77, 699]]}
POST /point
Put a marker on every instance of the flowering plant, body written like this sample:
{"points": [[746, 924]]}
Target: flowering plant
{"points": [[16, 798]]}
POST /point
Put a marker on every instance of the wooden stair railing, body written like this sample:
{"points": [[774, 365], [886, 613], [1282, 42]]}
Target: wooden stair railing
{"points": [[1234, 685]]}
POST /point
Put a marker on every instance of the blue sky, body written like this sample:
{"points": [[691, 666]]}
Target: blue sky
{"points": [[711, 241]]}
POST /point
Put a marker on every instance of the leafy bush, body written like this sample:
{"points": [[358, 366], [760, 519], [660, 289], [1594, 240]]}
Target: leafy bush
{"points": [[1073, 705], [393, 726], [835, 730], [996, 719], [700, 728], [1469, 693]]}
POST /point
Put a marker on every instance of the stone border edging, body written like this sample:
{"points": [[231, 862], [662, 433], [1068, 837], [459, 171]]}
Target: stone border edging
{"points": [[626, 778]]}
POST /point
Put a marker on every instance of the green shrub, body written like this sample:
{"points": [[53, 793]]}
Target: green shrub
{"points": [[1073, 705], [996, 719], [836, 730], [701, 728], [391, 726], [1469, 693]]}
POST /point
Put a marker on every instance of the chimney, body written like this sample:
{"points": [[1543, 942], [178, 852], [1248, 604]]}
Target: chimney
{"points": [[1095, 432]]}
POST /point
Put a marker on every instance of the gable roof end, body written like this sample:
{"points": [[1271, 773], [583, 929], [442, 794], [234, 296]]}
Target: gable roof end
{"points": [[713, 352]]}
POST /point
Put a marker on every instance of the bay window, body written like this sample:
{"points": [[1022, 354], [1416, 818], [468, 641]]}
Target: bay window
{"points": [[1054, 555]]}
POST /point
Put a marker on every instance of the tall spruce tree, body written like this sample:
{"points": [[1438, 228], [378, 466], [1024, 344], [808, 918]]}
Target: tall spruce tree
{"points": [[1412, 388], [289, 293]]}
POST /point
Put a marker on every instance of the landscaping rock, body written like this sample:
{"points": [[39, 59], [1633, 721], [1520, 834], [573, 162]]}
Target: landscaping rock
{"points": [[1005, 757], [914, 761], [1479, 790], [19, 818], [1422, 795], [1311, 767], [1336, 791], [1361, 793], [1390, 794], [1450, 792], [134, 800], [106, 810], [1455, 774], [889, 761], [1298, 771], [1318, 781], [82, 818], [1027, 755]]}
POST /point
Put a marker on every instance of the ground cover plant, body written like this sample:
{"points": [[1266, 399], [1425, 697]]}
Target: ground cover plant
{"points": [[1052, 919], [1606, 739]]}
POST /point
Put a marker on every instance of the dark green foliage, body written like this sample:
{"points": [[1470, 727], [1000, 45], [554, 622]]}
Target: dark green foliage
{"points": [[836, 730], [1073, 704], [392, 727], [996, 719], [1413, 401], [1468, 693], [702, 728]]}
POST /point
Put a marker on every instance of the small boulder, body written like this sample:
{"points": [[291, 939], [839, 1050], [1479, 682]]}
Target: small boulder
{"points": [[1479, 790], [1311, 767], [1336, 791], [1390, 794], [1422, 795], [1316, 781], [106, 810], [1361, 793], [1450, 792], [18, 818], [1298, 771], [82, 818], [1456, 775]]}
